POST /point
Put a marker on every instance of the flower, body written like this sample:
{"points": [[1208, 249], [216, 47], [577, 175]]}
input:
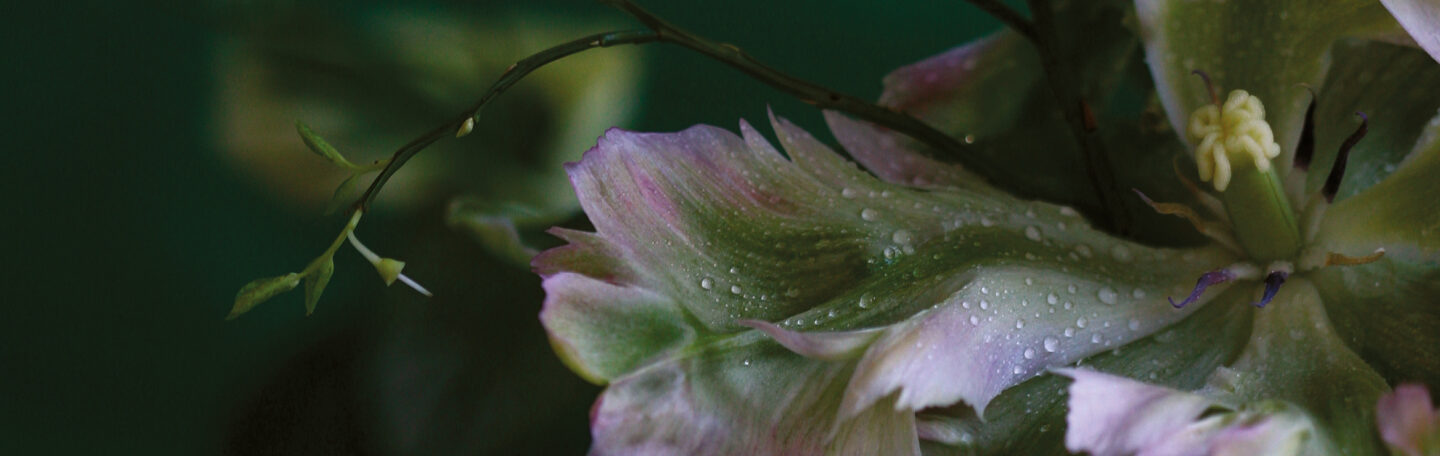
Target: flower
{"points": [[735, 299]]}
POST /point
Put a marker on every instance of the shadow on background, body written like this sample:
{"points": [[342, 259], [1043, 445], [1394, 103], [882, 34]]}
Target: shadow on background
{"points": [[127, 234]]}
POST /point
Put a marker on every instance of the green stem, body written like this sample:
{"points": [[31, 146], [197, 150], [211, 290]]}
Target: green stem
{"points": [[1059, 75], [1261, 215], [334, 246]]}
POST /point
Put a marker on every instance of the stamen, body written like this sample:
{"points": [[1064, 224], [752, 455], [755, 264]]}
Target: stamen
{"points": [[1209, 229], [1332, 183], [1305, 150], [1273, 281], [1336, 259], [1211, 203], [1208, 86], [1206, 280]]}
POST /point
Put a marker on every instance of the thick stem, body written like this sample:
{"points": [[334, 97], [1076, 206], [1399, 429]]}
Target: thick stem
{"points": [[1261, 215]]}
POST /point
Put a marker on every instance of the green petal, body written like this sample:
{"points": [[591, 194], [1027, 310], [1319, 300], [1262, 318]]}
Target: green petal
{"points": [[1268, 48], [1388, 309], [700, 232], [1398, 97], [498, 226], [1295, 355]]}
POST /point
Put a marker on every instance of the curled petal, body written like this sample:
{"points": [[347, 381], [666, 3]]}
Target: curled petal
{"points": [[1408, 421]]}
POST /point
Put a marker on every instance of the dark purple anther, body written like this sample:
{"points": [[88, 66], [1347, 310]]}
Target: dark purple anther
{"points": [[1332, 182], [1206, 280], [1272, 286], [1306, 148]]}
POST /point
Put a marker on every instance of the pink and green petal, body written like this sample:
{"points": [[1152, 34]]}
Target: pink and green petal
{"points": [[1113, 415], [1398, 98], [1389, 308], [1029, 418], [1421, 18], [702, 232], [1267, 48], [1408, 421]]}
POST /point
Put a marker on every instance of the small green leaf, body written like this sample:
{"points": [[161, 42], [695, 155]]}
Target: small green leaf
{"points": [[343, 194], [261, 290], [315, 283], [320, 147]]}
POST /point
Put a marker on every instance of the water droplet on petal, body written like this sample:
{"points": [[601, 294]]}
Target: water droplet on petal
{"points": [[1052, 299], [1134, 324], [1029, 353], [1081, 322], [984, 304], [1121, 253], [1019, 324], [864, 301], [736, 289], [1072, 288], [1051, 344], [974, 320], [1069, 332], [901, 237], [1033, 233], [1138, 293], [849, 192], [1107, 295], [869, 214], [706, 283]]}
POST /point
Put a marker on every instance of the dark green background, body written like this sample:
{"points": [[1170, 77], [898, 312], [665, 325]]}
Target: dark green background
{"points": [[126, 238]]}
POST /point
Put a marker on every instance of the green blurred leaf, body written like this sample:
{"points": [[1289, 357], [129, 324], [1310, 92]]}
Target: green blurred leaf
{"points": [[497, 226], [261, 290]]}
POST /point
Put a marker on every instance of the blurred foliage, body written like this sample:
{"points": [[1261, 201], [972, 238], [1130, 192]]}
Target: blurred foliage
{"points": [[133, 219]]}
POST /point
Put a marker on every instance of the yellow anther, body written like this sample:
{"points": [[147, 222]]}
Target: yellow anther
{"points": [[1230, 132]]}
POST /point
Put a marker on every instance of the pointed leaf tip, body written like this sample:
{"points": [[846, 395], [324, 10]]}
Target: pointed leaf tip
{"points": [[321, 147], [261, 290], [315, 284]]}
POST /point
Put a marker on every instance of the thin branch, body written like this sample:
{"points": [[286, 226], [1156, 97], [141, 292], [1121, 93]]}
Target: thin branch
{"points": [[512, 75], [949, 148], [1079, 117], [1009, 16]]}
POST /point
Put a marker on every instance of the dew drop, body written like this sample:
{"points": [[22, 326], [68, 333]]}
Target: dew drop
{"points": [[735, 289], [1029, 281], [974, 320], [1069, 332], [985, 221], [1051, 344], [1072, 288], [849, 192], [864, 301], [1033, 233], [984, 304], [1081, 322], [1134, 324], [1084, 250], [1069, 305], [1107, 295], [869, 214], [734, 270], [745, 362], [1017, 370], [1121, 253], [1095, 338], [1029, 353], [706, 283], [1052, 299], [901, 237], [1019, 324], [1138, 293], [965, 304]]}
